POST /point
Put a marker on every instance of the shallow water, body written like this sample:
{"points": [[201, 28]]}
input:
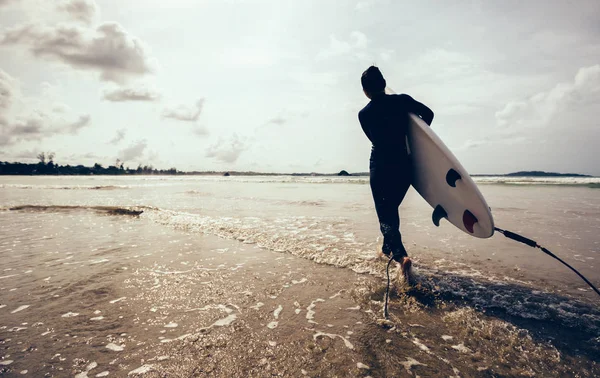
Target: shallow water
{"points": [[249, 268]]}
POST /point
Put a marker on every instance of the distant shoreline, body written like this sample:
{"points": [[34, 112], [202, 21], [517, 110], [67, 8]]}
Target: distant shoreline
{"points": [[51, 169]]}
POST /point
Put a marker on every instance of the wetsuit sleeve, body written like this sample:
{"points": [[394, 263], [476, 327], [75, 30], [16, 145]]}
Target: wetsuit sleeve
{"points": [[363, 124], [414, 106]]}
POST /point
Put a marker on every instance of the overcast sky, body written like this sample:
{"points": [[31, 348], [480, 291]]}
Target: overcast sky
{"points": [[275, 85]]}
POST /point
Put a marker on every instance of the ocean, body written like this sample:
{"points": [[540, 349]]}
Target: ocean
{"points": [[278, 275]]}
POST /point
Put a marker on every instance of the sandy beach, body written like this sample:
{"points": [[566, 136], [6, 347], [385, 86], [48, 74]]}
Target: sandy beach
{"points": [[276, 277]]}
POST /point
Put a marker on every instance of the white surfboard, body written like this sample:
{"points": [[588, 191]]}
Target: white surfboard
{"points": [[443, 182]]}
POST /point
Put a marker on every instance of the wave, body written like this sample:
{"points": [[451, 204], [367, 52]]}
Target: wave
{"points": [[593, 182], [68, 187], [110, 210]]}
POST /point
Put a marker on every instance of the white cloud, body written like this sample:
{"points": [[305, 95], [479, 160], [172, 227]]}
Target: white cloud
{"points": [[7, 90], [184, 113], [227, 151], [40, 125], [131, 94], [6, 2], [354, 46], [539, 109], [200, 130], [118, 138], [80, 10], [109, 49], [134, 151], [279, 120]]}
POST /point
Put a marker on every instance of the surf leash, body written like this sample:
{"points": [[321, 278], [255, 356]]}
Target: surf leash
{"points": [[534, 244], [387, 289]]}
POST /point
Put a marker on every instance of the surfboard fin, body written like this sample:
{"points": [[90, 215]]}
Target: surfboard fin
{"points": [[451, 177], [438, 214], [469, 220]]}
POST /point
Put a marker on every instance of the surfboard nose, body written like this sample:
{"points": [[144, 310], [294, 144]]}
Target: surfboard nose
{"points": [[469, 220]]}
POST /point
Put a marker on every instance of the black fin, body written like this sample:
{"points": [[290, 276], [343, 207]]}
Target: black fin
{"points": [[469, 220], [451, 177], [438, 214]]}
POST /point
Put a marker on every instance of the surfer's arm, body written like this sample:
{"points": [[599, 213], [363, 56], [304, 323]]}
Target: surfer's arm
{"points": [[423, 111]]}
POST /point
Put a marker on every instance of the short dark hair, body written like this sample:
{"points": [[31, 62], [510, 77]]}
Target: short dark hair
{"points": [[372, 80]]}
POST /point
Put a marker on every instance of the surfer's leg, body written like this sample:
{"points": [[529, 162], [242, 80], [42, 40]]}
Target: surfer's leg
{"points": [[388, 222], [400, 188]]}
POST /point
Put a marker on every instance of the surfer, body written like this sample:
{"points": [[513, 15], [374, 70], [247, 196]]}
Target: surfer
{"points": [[385, 121]]}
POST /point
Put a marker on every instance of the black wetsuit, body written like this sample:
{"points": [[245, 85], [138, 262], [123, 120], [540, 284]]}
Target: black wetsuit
{"points": [[385, 122]]}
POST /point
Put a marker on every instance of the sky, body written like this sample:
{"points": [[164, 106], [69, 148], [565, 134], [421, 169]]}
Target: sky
{"points": [[274, 85]]}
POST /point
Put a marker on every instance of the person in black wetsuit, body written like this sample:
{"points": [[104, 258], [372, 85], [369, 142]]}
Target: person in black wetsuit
{"points": [[385, 122]]}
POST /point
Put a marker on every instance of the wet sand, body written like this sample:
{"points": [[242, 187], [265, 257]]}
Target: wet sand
{"points": [[115, 295]]}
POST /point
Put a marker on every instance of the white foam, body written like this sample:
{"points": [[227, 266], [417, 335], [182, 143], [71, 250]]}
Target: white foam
{"points": [[257, 306], [277, 311], [462, 348], [103, 374], [421, 346], [23, 372], [310, 314], [447, 338], [141, 370], [69, 315], [333, 336], [171, 325], [114, 347], [10, 275], [360, 365], [6, 362], [225, 321], [294, 282], [272, 343], [117, 300], [409, 363], [2, 306], [20, 308], [97, 318], [272, 325], [97, 312]]}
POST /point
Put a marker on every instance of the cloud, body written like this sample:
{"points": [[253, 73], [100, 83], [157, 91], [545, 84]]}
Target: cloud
{"points": [[79, 10], [131, 94], [355, 46], [134, 151], [200, 131], [185, 113], [227, 151], [5, 2], [119, 137], [277, 121], [82, 122], [7, 90], [38, 126], [108, 49], [540, 109]]}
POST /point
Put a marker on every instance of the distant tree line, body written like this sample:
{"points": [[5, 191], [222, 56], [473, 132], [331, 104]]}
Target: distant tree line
{"points": [[46, 166]]}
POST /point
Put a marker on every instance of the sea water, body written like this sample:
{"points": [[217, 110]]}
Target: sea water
{"points": [[68, 245]]}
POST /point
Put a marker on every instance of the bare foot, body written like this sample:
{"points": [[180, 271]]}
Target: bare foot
{"points": [[406, 270]]}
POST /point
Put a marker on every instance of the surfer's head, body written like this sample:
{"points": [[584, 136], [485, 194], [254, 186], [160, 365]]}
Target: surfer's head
{"points": [[372, 81]]}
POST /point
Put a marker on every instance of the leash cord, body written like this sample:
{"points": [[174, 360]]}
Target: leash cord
{"points": [[534, 244], [387, 290]]}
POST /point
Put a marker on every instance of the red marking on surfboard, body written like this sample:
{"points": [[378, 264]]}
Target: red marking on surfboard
{"points": [[469, 220]]}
